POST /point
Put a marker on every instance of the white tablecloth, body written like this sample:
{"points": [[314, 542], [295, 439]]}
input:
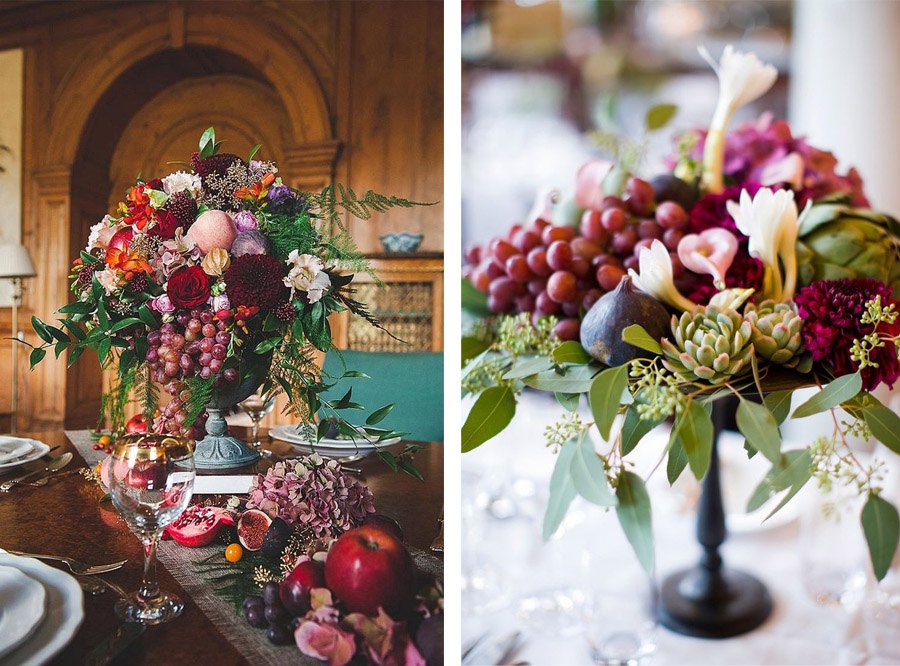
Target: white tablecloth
{"points": [[800, 631]]}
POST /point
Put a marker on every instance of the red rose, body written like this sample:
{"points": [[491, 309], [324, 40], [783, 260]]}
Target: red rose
{"points": [[188, 287], [166, 224]]}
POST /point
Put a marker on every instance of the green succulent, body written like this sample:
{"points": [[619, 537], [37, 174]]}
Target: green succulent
{"points": [[775, 334], [710, 343], [837, 241]]}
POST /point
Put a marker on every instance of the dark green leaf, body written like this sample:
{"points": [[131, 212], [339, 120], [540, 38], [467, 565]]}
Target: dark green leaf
{"points": [[58, 333], [102, 317], [471, 347], [378, 415], [605, 397], [73, 328], [89, 258], [491, 413], [571, 352], [207, 143], [589, 475], [881, 525], [147, 316], [37, 355], [253, 151], [838, 391], [758, 425], [694, 429], [41, 329], [634, 428], [779, 403], [60, 347], [473, 301], [634, 516], [103, 349], [658, 116], [124, 323], [409, 468], [637, 336], [78, 307], [267, 345], [73, 355], [389, 459]]}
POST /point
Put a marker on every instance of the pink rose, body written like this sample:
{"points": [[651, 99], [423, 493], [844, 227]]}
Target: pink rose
{"points": [[327, 642], [162, 304], [245, 221]]}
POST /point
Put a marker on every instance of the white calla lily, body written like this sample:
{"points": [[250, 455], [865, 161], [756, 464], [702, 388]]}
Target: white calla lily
{"points": [[743, 77], [656, 276], [771, 222]]}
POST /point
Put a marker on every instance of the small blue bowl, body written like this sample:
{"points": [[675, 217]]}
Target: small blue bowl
{"points": [[401, 243]]}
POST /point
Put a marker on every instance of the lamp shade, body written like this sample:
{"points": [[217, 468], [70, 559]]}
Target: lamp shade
{"points": [[15, 261]]}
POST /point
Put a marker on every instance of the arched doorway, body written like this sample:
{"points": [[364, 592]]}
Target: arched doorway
{"points": [[152, 113]]}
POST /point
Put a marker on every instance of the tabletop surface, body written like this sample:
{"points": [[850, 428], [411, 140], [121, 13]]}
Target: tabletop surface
{"points": [[65, 518]]}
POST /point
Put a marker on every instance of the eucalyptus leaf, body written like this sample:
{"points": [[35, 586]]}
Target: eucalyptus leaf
{"points": [[526, 366], [881, 525], [575, 379], [634, 428], [569, 401], [605, 397], [491, 413], [571, 352], [884, 425], [758, 425], [658, 116], [589, 475], [694, 430], [636, 335], [471, 347], [793, 469], [839, 390], [562, 490], [677, 460], [779, 403], [472, 300], [635, 517]]}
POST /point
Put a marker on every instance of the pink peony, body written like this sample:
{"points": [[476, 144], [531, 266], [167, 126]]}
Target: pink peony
{"points": [[327, 642]]}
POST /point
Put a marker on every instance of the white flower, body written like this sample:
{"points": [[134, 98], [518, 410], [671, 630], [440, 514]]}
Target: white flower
{"points": [[180, 181], [307, 274], [108, 279], [102, 233], [656, 278], [743, 77], [770, 220]]}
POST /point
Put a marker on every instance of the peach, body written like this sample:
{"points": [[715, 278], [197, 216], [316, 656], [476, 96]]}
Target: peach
{"points": [[214, 228]]}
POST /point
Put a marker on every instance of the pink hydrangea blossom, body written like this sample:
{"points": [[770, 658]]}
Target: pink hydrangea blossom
{"points": [[325, 641]]}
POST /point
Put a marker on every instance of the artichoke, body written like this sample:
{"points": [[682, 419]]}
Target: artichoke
{"points": [[710, 343], [775, 334], [837, 241]]}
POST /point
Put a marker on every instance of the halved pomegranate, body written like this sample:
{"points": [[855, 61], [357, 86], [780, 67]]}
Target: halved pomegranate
{"points": [[198, 525]]}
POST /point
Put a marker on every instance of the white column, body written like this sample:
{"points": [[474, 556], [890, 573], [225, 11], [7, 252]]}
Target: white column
{"points": [[845, 88]]}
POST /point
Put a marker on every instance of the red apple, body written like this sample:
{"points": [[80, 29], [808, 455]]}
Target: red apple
{"points": [[149, 474], [368, 568], [294, 589], [136, 424], [383, 522]]}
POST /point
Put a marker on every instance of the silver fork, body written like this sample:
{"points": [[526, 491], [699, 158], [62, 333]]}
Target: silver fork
{"points": [[77, 567]]}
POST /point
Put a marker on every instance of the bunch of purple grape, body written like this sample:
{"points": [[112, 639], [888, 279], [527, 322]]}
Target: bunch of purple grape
{"points": [[268, 611], [560, 270], [195, 344], [172, 419]]}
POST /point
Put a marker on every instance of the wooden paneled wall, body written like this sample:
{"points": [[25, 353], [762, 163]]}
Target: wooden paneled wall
{"points": [[345, 90]]}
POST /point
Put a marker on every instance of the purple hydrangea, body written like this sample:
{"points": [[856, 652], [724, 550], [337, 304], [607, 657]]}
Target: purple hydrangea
{"points": [[314, 493]]}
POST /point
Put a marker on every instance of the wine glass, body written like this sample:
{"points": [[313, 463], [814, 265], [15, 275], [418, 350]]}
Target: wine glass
{"points": [[151, 483], [256, 407]]}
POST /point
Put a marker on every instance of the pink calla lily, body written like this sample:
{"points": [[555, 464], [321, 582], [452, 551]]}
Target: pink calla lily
{"points": [[788, 169], [709, 252], [589, 183]]}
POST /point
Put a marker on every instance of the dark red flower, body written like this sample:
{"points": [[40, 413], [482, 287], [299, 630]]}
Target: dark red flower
{"points": [[745, 272], [832, 310], [255, 280], [166, 224], [188, 287]]}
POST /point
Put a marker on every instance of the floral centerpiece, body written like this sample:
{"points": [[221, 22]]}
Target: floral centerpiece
{"points": [[751, 269], [212, 282]]}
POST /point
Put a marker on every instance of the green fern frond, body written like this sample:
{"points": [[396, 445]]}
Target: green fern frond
{"points": [[287, 233], [200, 391], [147, 393], [327, 205]]}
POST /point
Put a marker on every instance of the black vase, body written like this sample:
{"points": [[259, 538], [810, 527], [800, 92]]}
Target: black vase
{"points": [[711, 600]]}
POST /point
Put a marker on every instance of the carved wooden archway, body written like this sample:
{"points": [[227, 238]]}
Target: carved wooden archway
{"points": [[72, 189]]}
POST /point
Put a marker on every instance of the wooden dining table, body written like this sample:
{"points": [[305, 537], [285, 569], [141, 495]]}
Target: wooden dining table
{"points": [[66, 517]]}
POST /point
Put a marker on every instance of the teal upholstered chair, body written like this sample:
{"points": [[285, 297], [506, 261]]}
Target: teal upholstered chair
{"points": [[413, 381]]}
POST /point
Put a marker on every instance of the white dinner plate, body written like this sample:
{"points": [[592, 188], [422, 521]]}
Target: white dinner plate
{"points": [[65, 611], [13, 447], [22, 607], [288, 433], [37, 450]]}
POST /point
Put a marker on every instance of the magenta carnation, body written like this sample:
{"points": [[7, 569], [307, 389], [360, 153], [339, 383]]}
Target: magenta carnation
{"points": [[832, 310]]}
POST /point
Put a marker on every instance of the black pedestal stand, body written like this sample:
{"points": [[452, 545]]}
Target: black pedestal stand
{"points": [[710, 600]]}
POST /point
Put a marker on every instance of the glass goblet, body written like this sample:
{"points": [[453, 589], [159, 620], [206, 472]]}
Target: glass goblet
{"points": [[151, 483], [256, 407]]}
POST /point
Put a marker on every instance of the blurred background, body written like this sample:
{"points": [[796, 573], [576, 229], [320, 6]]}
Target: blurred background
{"points": [[539, 76]]}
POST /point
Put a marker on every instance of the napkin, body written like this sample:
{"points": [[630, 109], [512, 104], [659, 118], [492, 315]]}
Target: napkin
{"points": [[234, 484]]}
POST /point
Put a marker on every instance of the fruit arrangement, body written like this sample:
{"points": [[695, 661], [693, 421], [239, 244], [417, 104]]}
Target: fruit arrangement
{"points": [[558, 270], [751, 269]]}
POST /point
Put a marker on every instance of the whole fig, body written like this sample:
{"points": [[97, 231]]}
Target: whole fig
{"points": [[250, 242], [667, 187], [601, 329]]}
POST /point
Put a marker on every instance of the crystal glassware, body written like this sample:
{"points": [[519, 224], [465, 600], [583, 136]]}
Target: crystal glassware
{"points": [[151, 483], [256, 407]]}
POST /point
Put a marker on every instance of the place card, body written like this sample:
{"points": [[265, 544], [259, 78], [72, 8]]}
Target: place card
{"points": [[234, 484]]}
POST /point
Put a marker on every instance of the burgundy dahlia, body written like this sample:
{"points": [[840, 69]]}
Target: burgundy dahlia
{"points": [[255, 279], [832, 310]]}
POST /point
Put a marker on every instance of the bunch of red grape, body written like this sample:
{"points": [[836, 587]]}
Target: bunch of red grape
{"points": [[173, 416], [196, 344], [562, 271]]}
